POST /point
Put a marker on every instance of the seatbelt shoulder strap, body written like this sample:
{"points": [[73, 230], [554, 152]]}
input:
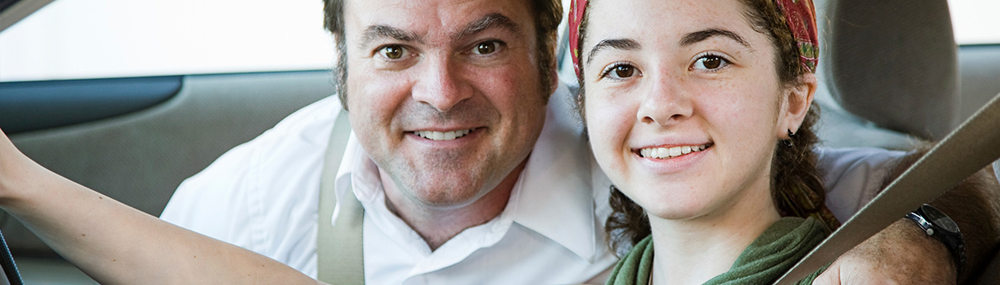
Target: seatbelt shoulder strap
{"points": [[340, 258]]}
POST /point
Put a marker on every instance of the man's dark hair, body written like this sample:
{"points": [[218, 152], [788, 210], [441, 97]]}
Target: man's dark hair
{"points": [[548, 14]]}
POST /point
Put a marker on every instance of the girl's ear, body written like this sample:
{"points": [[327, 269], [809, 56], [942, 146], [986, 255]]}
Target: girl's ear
{"points": [[797, 100]]}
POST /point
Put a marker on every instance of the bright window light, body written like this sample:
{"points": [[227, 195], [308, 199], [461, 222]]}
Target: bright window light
{"points": [[975, 21], [125, 38]]}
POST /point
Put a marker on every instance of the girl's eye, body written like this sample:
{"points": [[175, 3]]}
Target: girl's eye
{"points": [[619, 71], [486, 47], [624, 71], [710, 62], [392, 51]]}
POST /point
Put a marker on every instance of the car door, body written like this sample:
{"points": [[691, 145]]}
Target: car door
{"points": [[135, 133]]}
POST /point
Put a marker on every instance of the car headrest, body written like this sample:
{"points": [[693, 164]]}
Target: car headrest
{"points": [[893, 62]]}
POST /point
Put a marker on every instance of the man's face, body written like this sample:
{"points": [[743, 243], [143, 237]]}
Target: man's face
{"points": [[444, 95]]}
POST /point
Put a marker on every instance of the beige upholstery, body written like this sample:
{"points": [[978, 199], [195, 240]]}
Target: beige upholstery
{"points": [[894, 63], [979, 68]]}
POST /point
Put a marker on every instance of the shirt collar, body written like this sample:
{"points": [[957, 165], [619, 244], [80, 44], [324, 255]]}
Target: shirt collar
{"points": [[557, 195]]}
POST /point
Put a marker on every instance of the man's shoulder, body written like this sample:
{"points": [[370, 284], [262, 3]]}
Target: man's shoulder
{"points": [[838, 162], [852, 176], [258, 183], [298, 139], [322, 112]]}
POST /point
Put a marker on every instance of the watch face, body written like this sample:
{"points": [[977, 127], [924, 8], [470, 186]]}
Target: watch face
{"points": [[939, 219]]}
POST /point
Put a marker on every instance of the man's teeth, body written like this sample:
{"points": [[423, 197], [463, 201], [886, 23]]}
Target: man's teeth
{"points": [[442, 136], [664, 152]]}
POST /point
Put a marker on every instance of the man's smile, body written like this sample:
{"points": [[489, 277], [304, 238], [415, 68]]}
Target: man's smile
{"points": [[443, 136]]}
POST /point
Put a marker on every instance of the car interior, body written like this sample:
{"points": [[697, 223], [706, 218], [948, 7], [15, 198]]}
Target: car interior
{"points": [[886, 79]]}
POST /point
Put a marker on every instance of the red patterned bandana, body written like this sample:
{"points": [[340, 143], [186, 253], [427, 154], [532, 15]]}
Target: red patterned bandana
{"points": [[799, 14], [801, 18], [576, 9]]}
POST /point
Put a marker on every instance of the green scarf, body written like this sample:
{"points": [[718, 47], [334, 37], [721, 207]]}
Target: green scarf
{"points": [[762, 262]]}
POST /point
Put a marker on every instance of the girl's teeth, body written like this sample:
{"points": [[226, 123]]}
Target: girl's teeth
{"points": [[663, 152]]}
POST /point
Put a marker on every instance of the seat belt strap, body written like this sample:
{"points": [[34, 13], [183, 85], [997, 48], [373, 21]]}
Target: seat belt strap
{"points": [[968, 149], [996, 169], [340, 258]]}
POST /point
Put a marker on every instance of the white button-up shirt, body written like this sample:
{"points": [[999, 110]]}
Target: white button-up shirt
{"points": [[263, 196]]}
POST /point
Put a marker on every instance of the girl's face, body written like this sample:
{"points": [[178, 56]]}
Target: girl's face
{"points": [[684, 106]]}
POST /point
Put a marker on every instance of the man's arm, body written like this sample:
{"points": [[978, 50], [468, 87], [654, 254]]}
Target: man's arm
{"points": [[263, 195], [975, 205], [903, 253], [118, 244]]}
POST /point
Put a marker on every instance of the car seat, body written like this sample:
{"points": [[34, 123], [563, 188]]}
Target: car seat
{"points": [[890, 72]]}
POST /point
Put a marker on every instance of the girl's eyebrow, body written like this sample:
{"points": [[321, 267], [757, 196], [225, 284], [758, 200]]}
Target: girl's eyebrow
{"points": [[702, 35], [622, 44]]}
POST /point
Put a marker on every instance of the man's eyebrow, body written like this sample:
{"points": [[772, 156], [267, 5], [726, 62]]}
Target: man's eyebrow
{"points": [[622, 44], [494, 20], [374, 32], [698, 36]]}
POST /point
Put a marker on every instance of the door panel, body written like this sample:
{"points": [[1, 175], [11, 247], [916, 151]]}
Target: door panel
{"points": [[39, 105]]}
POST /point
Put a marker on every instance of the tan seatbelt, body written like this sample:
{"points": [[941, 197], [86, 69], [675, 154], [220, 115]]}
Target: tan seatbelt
{"points": [[340, 258], [996, 169], [975, 144]]}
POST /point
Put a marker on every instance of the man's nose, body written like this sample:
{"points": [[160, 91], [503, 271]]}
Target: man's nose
{"points": [[441, 86], [666, 102]]}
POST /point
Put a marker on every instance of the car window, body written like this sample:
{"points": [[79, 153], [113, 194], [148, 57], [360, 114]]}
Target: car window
{"points": [[975, 21], [73, 39]]}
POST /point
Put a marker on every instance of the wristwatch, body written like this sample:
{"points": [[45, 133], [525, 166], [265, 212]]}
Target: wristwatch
{"points": [[941, 227]]}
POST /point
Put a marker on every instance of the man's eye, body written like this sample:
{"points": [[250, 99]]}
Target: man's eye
{"points": [[485, 48], [710, 62], [619, 71], [392, 51]]}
